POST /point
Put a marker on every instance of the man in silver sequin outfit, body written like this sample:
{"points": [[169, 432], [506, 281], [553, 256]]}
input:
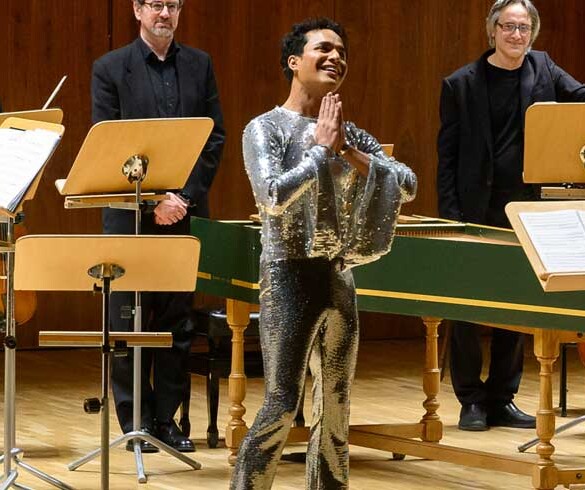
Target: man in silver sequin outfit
{"points": [[329, 198]]}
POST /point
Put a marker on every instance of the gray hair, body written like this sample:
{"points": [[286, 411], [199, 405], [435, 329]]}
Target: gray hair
{"points": [[494, 16]]}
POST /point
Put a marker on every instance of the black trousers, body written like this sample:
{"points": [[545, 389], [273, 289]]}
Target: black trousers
{"points": [[165, 377], [507, 348], [505, 370]]}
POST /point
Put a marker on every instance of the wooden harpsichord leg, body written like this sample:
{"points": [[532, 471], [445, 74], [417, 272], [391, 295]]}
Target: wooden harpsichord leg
{"points": [[546, 350], [433, 427], [238, 316]]}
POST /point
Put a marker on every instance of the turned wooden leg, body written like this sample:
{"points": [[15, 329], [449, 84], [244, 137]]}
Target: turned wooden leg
{"points": [[238, 316], [433, 431], [546, 349]]}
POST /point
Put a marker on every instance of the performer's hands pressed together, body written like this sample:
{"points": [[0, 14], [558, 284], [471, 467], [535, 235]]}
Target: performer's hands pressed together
{"points": [[170, 210], [329, 131]]}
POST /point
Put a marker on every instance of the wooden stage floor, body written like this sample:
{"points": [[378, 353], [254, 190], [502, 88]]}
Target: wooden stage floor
{"points": [[53, 429]]}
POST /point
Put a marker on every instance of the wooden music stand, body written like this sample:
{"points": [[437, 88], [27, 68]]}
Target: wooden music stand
{"points": [[96, 178], [108, 263], [54, 115], [554, 152], [554, 149], [550, 282], [124, 164], [28, 120], [49, 120]]}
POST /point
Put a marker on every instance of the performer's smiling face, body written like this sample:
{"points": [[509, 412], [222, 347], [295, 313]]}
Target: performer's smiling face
{"points": [[513, 44], [158, 23], [323, 62]]}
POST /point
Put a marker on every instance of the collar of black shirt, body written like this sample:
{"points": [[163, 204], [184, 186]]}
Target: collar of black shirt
{"points": [[149, 55]]}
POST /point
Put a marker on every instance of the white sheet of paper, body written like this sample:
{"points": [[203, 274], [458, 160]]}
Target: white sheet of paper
{"points": [[558, 237], [22, 155]]}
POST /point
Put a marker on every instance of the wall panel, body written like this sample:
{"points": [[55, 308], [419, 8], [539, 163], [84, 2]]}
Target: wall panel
{"points": [[44, 40], [399, 52]]}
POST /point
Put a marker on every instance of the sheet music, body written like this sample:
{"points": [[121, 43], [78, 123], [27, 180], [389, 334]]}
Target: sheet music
{"points": [[558, 237], [22, 155]]}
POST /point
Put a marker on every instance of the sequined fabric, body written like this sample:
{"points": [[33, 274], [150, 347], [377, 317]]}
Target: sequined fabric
{"points": [[306, 304], [319, 218], [314, 204]]}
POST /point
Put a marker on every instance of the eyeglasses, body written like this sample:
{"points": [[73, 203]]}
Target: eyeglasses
{"points": [[510, 28], [158, 7]]}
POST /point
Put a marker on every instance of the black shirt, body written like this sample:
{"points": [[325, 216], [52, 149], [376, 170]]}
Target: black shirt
{"points": [[164, 80], [508, 142]]}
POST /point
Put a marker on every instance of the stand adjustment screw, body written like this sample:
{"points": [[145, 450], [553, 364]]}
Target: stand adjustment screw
{"points": [[10, 342], [92, 405]]}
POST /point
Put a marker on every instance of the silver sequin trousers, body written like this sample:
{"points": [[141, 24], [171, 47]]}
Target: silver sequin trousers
{"points": [[308, 316]]}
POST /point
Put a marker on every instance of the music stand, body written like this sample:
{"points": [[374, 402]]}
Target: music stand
{"points": [[27, 120], [124, 164], [115, 262], [554, 152], [554, 149]]}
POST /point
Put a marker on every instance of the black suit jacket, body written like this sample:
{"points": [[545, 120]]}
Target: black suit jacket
{"points": [[121, 89], [465, 142]]}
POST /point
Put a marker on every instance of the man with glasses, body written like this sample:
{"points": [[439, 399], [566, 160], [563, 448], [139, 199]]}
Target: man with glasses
{"points": [[150, 78], [480, 149]]}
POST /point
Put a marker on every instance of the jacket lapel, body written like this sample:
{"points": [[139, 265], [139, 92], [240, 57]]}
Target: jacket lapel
{"points": [[527, 77], [187, 74], [480, 102]]}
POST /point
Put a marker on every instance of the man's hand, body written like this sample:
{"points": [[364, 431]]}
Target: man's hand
{"points": [[329, 131], [170, 210]]}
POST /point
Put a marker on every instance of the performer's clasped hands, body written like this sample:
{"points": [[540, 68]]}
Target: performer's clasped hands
{"points": [[329, 131]]}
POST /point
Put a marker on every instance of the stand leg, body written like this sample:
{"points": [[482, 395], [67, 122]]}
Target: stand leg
{"points": [[238, 316], [11, 453], [135, 436], [105, 440], [137, 386], [562, 428], [105, 405]]}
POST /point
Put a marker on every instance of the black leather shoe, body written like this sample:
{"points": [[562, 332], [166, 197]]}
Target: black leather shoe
{"points": [[473, 417], [145, 446], [171, 434], [509, 415]]}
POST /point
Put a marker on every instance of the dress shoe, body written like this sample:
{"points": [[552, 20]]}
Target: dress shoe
{"points": [[473, 417], [509, 415], [145, 446], [171, 435]]}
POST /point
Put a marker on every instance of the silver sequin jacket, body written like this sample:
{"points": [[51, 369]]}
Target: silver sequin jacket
{"points": [[315, 204]]}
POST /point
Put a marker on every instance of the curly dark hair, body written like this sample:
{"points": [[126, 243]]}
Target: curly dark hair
{"points": [[293, 43]]}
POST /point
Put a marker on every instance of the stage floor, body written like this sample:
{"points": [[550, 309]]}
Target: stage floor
{"points": [[53, 429]]}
